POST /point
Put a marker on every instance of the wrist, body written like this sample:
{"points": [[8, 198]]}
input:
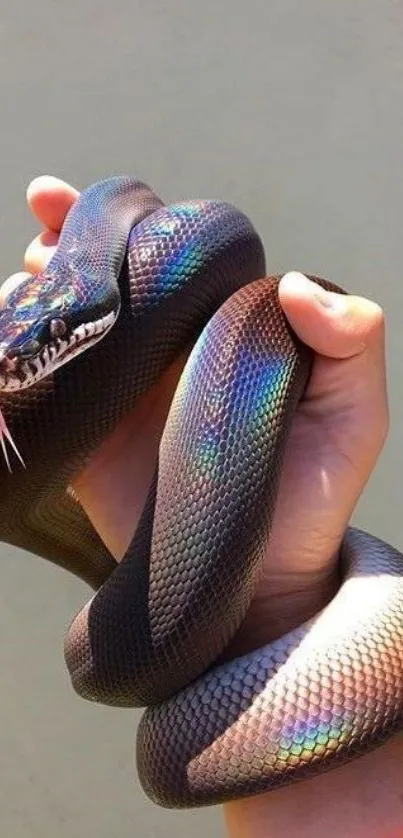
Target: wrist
{"points": [[362, 799], [281, 604]]}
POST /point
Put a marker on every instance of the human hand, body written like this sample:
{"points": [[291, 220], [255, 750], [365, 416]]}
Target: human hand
{"points": [[338, 433]]}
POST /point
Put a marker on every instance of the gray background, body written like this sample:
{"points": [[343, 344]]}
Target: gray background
{"points": [[293, 110]]}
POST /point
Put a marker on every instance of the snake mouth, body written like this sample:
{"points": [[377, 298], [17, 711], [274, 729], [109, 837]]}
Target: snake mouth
{"points": [[19, 374]]}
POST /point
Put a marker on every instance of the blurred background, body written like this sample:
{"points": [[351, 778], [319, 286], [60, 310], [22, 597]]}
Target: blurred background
{"points": [[291, 109]]}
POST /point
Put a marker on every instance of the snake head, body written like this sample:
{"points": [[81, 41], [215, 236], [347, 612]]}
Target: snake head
{"points": [[49, 319]]}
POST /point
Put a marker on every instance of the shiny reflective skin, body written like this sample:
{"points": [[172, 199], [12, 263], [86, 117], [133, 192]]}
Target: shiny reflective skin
{"points": [[321, 695]]}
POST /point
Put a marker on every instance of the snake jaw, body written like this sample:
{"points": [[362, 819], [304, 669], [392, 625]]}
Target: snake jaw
{"points": [[18, 372]]}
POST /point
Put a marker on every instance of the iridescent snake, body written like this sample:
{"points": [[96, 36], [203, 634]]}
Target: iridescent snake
{"points": [[134, 283]]}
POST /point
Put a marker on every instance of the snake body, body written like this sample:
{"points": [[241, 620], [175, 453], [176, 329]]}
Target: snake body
{"points": [[132, 285]]}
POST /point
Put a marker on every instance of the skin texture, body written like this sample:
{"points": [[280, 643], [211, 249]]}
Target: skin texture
{"points": [[337, 437]]}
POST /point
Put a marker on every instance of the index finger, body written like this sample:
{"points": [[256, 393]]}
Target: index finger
{"points": [[50, 199]]}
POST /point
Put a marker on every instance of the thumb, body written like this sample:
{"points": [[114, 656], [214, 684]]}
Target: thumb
{"points": [[348, 382]]}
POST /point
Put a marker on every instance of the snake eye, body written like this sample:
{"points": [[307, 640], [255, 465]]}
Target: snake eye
{"points": [[57, 328], [28, 349]]}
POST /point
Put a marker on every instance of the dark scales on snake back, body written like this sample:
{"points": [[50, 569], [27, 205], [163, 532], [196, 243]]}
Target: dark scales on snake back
{"points": [[132, 285]]}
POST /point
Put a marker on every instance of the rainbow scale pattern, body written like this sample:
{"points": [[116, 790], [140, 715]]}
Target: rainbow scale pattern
{"points": [[327, 692], [323, 694]]}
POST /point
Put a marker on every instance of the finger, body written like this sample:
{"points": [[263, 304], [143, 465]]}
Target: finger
{"points": [[40, 251], [334, 325], [50, 199], [11, 284], [348, 386], [348, 335]]}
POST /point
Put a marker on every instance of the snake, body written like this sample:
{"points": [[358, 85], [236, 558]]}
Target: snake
{"points": [[134, 283]]}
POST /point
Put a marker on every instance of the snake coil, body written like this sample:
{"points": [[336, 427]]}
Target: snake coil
{"points": [[132, 284]]}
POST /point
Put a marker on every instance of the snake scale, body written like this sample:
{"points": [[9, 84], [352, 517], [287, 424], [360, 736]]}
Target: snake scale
{"points": [[132, 284]]}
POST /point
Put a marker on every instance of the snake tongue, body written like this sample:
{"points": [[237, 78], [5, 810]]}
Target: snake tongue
{"points": [[5, 436]]}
